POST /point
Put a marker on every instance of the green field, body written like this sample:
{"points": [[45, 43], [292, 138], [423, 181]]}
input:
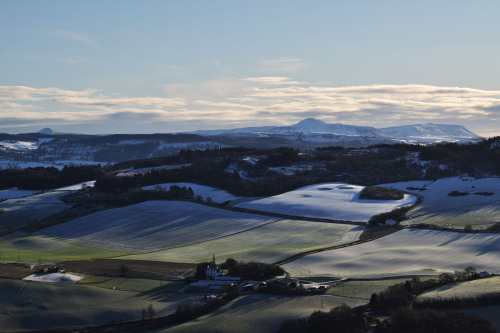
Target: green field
{"points": [[465, 289], [365, 288], [36, 305], [267, 243], [35, 249], [261, 313], [131, 284]]}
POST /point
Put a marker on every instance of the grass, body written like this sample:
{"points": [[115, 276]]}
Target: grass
{"points": [[22, 211], [156, 225], [464, 289], [261, 313], [267, 243], [34, 305], [131, 284], [479, 216], [406, 252], [365, 288], [38, 249]]}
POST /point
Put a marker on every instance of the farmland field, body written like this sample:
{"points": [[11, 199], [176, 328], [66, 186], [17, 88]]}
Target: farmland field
{"points": [[35, 249], [406, 252], [337, 201], [36, 305], [465, 289], [21, 211], [261, 313], [267, 243], [438, 208], [365, 288], [217, 195], [155, 225]]}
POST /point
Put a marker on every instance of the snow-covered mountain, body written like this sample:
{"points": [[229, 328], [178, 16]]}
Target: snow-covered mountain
{"points": [[316, 131], [48, 146]]}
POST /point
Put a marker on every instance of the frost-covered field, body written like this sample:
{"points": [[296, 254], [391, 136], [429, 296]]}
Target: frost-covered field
{"points": [[464, 289], [217, 195], [26, 305], [59, 164], [261, 313], [155, 225], [76, 187], [21, 211], [338, 201], [15, 193], [35, 249], [457, 211], [268, 243], [406, 252]]}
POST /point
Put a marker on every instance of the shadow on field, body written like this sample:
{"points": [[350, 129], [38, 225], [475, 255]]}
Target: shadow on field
{"points": [[162, 293]]}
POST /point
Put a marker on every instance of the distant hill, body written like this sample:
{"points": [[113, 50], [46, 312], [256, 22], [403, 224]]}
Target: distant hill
{"points": [[48, 145], [312, 130]]}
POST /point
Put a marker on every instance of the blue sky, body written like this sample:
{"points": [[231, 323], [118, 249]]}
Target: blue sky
{"points": [[168, 66]]}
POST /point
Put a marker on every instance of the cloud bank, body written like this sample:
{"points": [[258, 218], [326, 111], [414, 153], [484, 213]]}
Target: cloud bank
{"points": [[256, 101]]}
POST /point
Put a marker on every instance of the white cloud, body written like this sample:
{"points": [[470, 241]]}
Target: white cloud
{"points": [[273, 80], [224, 102]]}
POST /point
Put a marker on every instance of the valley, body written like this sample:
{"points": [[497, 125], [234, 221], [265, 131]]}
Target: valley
{"points": [[147, 231]]}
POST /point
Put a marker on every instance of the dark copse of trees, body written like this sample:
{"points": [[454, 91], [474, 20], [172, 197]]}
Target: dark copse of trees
{"points": [[397, 215], [48, 178], [381, 193], [344, 319], [341, 319], [255, 270], [427, 320]]}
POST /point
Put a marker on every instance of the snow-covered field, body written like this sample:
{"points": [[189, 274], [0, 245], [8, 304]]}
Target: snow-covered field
{"points": [[439, 208], [337, 201], [54, 277], [464, 289], [76, 187], [406, 252], [21, 211], [15, 193], [217, 195], [267, 243], [59, 164], [155, 225]]}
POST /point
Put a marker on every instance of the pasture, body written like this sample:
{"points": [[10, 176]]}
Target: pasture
{"points": [[261, 313], [27, 305], [464, 289], [19, 212], [336, 201], [438, 208], [155, 225], [39, 249], [267, 243], [406, 252], [215, 194]]}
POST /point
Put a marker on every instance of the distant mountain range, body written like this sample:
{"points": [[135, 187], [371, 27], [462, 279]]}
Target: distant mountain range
{"points": [[49, 146], [316, 131]]}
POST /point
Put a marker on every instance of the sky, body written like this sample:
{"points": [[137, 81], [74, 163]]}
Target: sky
{"points": [[117, 66]]}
